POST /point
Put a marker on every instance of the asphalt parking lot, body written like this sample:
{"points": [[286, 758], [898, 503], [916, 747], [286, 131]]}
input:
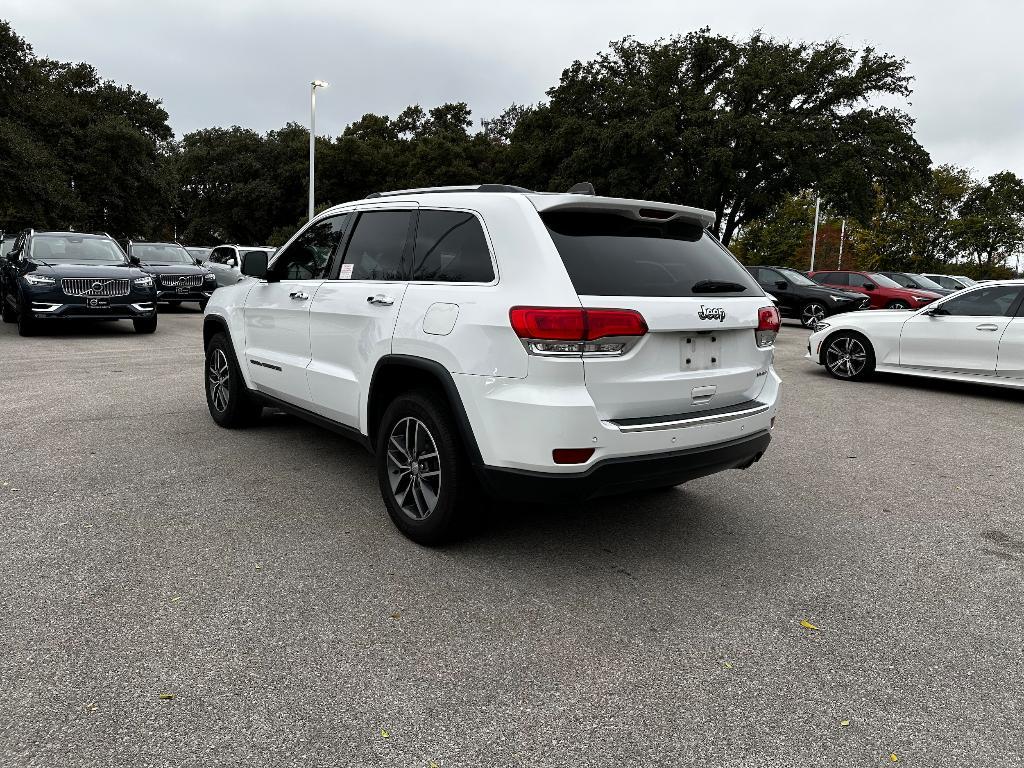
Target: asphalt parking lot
{"points": [[255, 578]]}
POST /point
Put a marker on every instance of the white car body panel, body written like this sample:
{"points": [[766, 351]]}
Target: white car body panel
{"points": [[519, 406], [982, 349]]}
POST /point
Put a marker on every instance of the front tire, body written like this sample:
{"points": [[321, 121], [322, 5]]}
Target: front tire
{"points": [[898, 305], [145, 324], [27, 325], [849, 356], [426, 483], [6, 313], [174, 304], [812, 313], [231, 403]]}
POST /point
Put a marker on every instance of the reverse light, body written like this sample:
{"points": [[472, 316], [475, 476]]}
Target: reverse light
{"points": [[573, 331], [768, 324], [572, 455]]}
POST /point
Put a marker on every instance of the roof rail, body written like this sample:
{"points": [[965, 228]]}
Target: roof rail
{"points": [[434, 190]]}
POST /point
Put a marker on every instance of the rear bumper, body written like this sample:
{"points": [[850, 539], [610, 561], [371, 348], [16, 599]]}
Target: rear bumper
{"points": [[623, 474]]}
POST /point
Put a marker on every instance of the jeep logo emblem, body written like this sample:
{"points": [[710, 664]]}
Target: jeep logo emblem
{"points": [[712, 313]]}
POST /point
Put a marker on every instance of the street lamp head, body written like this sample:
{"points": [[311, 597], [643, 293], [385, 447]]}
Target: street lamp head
{"points": [[319, 83]]}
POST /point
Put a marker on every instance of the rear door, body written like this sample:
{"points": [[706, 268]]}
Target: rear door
{"points": [[352, 319], [276, 314], [699, 303], [962, 334]]}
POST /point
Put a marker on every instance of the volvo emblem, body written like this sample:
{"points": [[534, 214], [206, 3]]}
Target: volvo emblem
{"points": [[712, 313], [97, 286]]}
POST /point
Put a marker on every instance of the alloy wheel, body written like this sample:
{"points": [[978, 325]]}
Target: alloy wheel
{"points": [[414, 468], [812, 314], [218, 376], [846, 357]]}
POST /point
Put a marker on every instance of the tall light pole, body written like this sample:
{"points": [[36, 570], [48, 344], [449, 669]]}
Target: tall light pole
{"points": [[842, 236], [312, 136], [814, 237]]}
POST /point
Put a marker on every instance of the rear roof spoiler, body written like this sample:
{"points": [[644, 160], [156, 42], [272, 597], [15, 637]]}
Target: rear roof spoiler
{"points": [[643, 210]]}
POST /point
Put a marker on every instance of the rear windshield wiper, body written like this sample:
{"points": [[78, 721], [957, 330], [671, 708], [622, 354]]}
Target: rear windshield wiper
{"points": [[717, 286]]}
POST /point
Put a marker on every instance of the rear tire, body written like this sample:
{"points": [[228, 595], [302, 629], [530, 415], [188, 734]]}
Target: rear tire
{"points": [[425, 480], [849, 356], [231, 403], [145, 324], [812, 313]]}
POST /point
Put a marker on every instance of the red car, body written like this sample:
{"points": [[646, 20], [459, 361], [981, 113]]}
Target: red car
{"points": [[884, 292]]}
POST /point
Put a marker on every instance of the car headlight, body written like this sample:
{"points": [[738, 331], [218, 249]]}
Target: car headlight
{"points": [[820, 326], [40, 280], [840, 298], [144, 282], [922, 298], [210, 277]]}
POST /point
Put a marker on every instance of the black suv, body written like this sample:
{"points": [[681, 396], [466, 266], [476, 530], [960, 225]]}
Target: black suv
{"points": [[800, 297], [177, 273], [48, 276]]}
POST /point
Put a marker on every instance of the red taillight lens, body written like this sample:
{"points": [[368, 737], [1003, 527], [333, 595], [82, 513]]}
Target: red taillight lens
{"points": [[572, 455], [768, 319], [566, 324], [768, 324], [548, 323], [614, 322]]}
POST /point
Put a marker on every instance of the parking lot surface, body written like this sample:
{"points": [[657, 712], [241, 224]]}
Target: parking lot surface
{"points": [[175, 594]]}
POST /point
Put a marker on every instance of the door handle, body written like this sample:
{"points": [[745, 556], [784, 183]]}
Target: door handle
{"points": [[381, 300], [987, 327], [298, 295]]}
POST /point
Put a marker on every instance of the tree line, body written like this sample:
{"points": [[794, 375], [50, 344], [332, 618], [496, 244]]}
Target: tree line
{"points": [[753, 129]]}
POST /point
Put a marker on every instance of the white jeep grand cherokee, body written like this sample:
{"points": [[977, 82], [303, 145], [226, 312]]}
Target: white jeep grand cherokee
{"points": [[537, 346]]}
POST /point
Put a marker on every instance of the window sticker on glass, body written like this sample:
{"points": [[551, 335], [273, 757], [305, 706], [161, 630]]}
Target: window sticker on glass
{"points": [[346, 272]]}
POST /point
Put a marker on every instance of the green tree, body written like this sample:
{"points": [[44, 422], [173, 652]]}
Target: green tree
{"points": [[991, 226], [730, 125]]}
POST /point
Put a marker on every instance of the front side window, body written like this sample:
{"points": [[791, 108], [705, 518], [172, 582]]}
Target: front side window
{"points": [[984, 302], [451, 247], [75, 249], [608, 254], [310, 253], [377, 248]]}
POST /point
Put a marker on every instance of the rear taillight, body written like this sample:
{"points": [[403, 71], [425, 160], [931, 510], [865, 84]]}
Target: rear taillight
{"points": [[576, 331], [768, 324]]}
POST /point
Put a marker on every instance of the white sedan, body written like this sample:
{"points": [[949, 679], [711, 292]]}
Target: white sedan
{"points": [[975, 335]]}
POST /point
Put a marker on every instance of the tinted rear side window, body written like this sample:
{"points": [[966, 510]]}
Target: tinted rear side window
{"points": [[451, 247], [377, 247], [608, 254]]}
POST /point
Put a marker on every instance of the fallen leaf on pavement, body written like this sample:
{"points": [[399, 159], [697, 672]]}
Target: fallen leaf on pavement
{"points": [[894, 758], [844, 723], [166, 696], [176, 598], [807, 625], [727, 664], [396, 616], [385, 735]]}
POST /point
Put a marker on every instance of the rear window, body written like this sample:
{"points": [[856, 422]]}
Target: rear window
{"points": [[608, 254]]}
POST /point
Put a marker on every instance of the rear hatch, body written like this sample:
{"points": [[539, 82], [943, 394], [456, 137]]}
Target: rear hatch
{"points": [[700, 305]]}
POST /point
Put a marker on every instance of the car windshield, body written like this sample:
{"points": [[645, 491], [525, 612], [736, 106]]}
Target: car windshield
{"points": [[885, 282], [76, 249], [199, 253], [928, 285], [161, 253], [5, 246], [796, 278]]}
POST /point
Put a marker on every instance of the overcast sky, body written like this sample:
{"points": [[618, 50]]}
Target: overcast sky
{"points": [[230, 62]]}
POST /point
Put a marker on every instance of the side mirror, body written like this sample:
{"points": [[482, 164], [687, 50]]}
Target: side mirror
{"points": [[254, 264], [912, 284], [14, 256], [134, 260], [781, 285], [869, 286]]}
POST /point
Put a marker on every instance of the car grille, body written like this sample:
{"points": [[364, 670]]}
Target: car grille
{"points": [[181, 281], [87, 286]]}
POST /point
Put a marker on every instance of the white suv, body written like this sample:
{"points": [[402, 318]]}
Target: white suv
{"points": [[537, 346]]}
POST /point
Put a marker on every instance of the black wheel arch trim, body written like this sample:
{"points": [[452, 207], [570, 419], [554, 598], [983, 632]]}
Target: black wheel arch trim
{"points": [[444, 378]]}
